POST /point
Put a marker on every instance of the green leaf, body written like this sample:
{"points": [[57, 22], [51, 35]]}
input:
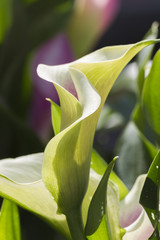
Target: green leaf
{"points": [[97, 218], [36, 22], [132, 156], [102, 231], [9, 221], [144, 56], [5, 17], [99, 165], [150, 194], [140, 120], [151, 96], [145, 132], [56, 116]]}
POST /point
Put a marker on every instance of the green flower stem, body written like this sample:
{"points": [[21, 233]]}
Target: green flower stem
{"points": [[75, 224]]}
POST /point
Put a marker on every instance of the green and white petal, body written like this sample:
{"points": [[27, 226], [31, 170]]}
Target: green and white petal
{"points": [[21, 182], [130, 208], [141, 229], [24, 169]]}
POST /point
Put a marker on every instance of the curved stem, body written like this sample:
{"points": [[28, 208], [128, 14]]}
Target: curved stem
{"points": [[75, 224]]}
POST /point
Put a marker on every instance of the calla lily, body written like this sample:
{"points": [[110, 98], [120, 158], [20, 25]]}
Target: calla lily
{"points": [[63, 154], [76, 41], [66, 161]]}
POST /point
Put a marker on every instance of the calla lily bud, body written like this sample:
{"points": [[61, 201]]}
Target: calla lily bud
{"points": [[90, 19]]}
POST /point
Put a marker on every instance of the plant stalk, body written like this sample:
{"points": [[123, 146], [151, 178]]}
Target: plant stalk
{"points": [[75, 224]]}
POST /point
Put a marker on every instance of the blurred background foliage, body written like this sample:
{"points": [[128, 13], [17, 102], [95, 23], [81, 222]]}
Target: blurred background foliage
{"points": [[56, 32]]}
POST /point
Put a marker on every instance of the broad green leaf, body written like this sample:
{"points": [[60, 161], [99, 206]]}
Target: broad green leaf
{"points": [[97, 215], [151, 96], [70, 151], [150, 194], [9, 221], [5, 17], [56, 117], [99, 166]]}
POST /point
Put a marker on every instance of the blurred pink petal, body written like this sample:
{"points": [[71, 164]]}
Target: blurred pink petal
{"points": [[130, 208], [56, 51], [132, 216], [141, 229], [105, 10], [90, 19]]}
